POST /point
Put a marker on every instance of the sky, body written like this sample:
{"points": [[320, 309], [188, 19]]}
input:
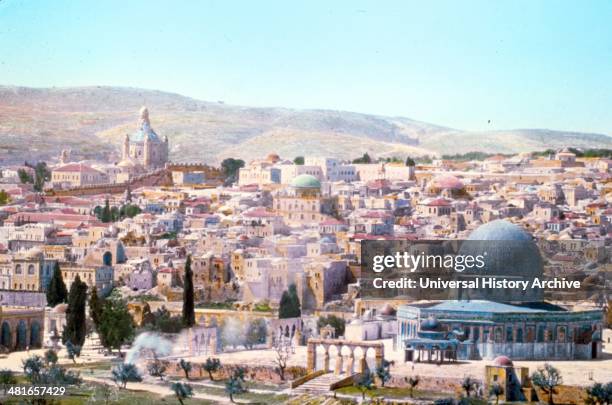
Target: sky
{"points": [[473, 65]]}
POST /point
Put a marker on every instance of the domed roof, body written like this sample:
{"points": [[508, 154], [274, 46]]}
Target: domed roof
{"points": [[500, 230], [447, 181], [502, 361], [388, 310], [272, 157], [509, 251], [61, 308], [305, 181], [145, 131], [430, 324], [32, 254]]}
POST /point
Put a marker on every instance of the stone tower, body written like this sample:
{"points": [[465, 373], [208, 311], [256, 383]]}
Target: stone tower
{"points": [[144, 149]]}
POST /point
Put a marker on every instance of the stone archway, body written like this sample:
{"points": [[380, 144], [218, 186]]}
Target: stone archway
{"points": [[21, 327], [107, 259], [22, 335], [35, 335], [5, 335], [347, 361]]}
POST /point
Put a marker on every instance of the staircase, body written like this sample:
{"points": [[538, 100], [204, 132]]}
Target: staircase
{"points": [[310, 399], [319, 385]]}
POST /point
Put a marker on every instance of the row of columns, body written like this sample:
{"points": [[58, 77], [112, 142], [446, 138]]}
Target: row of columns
{"points": [[434, 355], [343, 363]]}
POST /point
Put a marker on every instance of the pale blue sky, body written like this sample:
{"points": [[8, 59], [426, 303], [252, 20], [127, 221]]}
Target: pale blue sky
{"points": [[520, 64]]}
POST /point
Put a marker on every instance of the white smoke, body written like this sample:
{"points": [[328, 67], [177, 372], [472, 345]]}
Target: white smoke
{"points": [[148, 342]]}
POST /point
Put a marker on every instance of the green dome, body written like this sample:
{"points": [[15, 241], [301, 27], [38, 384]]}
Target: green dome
{"points": [[305, 181]]}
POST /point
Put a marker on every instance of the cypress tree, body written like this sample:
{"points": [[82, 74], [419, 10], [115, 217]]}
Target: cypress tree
{"points": [[106, 212], [289, 304], [95, 308], [295, 301], [56, 290], [75, 315], [284, 309], [188, 304]]}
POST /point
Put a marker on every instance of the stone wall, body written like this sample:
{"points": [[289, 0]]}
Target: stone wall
{"points": [[267, 374], [157, 178], [429, 383], [23, 298]]}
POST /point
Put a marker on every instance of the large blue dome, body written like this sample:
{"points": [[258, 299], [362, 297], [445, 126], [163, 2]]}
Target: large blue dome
{"points": [[500, 230], [144, 131], [509, 252]]}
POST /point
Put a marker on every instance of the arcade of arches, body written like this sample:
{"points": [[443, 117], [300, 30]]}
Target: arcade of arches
{"points": [[344, 356], [21, 328]]}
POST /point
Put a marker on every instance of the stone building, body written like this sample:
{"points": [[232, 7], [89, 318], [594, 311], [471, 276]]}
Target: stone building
{"points": [[302, 202], [77, 175], [144, 150], [100, 276], [513, 380], [21, 327], [522, 327], [30, 271]]}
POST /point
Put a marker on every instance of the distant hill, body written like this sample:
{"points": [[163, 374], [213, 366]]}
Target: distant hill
{"points": [[91, 121]]}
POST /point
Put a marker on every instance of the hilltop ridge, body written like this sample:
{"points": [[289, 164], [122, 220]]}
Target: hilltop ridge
{"points": [[37, 123]]}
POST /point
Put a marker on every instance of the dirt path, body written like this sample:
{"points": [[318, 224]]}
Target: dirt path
{"points": [[162, 390]]}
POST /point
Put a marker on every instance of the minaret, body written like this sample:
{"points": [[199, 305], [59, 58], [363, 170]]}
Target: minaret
{"points": [[126, 147]]}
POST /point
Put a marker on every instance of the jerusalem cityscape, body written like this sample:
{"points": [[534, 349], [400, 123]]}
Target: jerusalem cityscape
{"points": [[158, 248]]}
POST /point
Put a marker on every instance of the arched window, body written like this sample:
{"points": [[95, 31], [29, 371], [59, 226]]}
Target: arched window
{"points": [[562, 331], [498, 335], [18, 269], [31, 269], [107, 259]]}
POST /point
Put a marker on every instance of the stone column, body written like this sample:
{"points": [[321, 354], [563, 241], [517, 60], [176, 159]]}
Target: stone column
{"points": [[362, 365], [311, 361], [379, 357], [213, 343], [350, 362], [27, 336], [13, 339], [326, 359], [338, 367], [298, 337]]}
